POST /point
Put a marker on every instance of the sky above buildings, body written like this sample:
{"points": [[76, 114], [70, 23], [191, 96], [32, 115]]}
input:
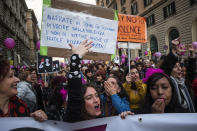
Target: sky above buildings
{"points": [[36, 5]]}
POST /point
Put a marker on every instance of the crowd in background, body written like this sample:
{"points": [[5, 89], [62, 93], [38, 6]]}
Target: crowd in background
{"points": [[94, 90]]}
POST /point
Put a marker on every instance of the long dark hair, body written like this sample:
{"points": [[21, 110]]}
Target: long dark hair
{"points": [[172, 107], [84, 114]]}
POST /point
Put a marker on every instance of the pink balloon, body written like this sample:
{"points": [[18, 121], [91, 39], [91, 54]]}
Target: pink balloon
{"points": [[89, 62], [145, 52], [11, 66], [194, 44], [82, 62], [83, 81], [137, 58], [181, 46], [63, 93], [123, 61], [18, 67], [157, 54], [9, 43], [182, 53], [123, 56], [24, 67], [38, 45]]}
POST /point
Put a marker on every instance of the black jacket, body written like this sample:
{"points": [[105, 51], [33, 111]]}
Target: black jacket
{"points": [[75, 98]]}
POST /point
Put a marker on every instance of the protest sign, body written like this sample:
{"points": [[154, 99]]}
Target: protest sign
{"points": [[148, 122], [129, 44], [132, 28], [56, 66], [44, 64], [61, 28], [89, 9]]}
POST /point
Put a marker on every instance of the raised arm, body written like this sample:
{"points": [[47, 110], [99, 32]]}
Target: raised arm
{"points": [[75, 97]]}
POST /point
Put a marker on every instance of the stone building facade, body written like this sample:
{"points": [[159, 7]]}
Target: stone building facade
{"points": [[33, 32], [166, 20], [13, 25]]}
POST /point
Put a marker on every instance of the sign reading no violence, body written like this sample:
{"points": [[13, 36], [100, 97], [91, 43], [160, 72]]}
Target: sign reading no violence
{"points": [[132, 28], [61, 27]]}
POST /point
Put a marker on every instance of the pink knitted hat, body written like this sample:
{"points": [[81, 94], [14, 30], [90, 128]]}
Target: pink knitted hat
{"points": [[152, 71]]}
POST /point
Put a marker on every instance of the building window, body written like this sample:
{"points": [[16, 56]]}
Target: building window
{"points": [[115, 6], [173, 35], [169, 10], [150, 20], [97, 2], [147, 2], [153, 44], [134, 8], [122, 2], [123, 10], [140, 53], [107, 2], [193, 2], [102, 3]]}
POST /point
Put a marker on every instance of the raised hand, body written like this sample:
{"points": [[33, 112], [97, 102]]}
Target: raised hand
{"points": [[109, 89], [191, 50], [158, 106], [175, 44], [82, 49], [177, 40]]}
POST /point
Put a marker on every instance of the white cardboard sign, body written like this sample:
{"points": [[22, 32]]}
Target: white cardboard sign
{"points": [[148, 122], [62, 27]]}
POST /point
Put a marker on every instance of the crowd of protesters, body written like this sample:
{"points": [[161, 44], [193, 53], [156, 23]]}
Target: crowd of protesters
{"points": [[94, 90]]}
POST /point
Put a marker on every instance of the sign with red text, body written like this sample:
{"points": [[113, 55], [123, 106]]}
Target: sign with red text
{"points": [[132, 28]]}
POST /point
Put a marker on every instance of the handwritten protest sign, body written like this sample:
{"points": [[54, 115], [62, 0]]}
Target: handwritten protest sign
{"points": [[132, 28], [61, 27]]}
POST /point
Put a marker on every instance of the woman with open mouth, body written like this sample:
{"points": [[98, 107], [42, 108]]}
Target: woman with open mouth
{"points": [[84, 102]]}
